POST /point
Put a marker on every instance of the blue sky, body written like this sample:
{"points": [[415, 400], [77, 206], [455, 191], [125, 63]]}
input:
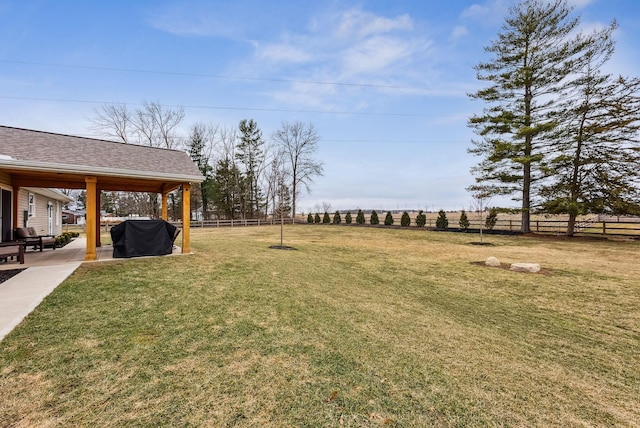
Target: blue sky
{"points": [[385, 83]]}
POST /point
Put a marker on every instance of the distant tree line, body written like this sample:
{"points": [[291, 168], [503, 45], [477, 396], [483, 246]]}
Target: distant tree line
{"points": [[245, 176], [405, 221], [442, 223]]}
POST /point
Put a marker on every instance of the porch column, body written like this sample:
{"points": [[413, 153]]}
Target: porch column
{"points": [[186, 218], [164, 214], [98, 205], [91, 201]]}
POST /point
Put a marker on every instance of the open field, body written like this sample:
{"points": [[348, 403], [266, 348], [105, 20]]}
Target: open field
{"points": [[358, 327]]}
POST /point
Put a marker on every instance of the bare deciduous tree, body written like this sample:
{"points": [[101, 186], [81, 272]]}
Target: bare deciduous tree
{"points": [[273, 177], [112, 121], [299, 142], [151, 125], [481, 194], [226, 143]]}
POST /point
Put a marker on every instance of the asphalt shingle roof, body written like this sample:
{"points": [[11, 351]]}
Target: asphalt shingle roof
{"points": [[46, 147]]}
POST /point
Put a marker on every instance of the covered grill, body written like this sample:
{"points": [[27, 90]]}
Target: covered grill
{"points": [[136, 238]]}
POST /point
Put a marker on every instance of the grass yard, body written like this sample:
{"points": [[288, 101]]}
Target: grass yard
{"points": [[358, 327]]}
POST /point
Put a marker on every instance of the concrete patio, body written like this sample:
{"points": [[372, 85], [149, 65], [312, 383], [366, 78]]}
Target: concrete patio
{"points": [[74, 251]]}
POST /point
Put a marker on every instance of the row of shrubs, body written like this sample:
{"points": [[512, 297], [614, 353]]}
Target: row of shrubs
{"points": [[65, 238], [442, 223]]}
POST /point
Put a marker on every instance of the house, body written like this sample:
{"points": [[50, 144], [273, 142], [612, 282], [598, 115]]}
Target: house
{"points": [[32, 159], [41, 209], [73, 216]]}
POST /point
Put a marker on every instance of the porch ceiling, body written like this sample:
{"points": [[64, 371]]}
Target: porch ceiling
{"points": [[66, 180]]}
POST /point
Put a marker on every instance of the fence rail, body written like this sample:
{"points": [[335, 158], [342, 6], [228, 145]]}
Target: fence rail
{"points": [[559, 227], [234, 223]]}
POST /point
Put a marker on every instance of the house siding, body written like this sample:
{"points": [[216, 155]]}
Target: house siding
{"points": [[40, 220]]}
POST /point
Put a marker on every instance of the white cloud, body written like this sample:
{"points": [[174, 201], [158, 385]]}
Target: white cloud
{"points": [[351, 46], [579, 3], [282, 53], [193, 19], [492, 11], [489, 12], [475, 11], [377, 54], [357, 23], [459, 31]]}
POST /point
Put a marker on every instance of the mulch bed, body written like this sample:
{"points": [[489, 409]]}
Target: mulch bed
{"points": [[282, 247], [8, 274]]}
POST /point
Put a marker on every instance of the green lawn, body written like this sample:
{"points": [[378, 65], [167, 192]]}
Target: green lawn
{"points": [[358, 327]]}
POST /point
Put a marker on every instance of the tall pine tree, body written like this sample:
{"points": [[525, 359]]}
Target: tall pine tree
{"points": [[532, 59], [227, 189], [250, 154], [198, 153], [597, 145]]}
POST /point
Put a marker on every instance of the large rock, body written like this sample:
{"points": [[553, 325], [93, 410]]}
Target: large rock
{"points": [[525, 267], [492, 261]]}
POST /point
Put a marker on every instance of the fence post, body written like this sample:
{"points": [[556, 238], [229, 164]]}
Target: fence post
{"points": [[537, 226], [604, 227], [510, 225]]}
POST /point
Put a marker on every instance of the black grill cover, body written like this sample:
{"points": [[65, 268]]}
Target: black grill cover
{"points": [[136, 238]]}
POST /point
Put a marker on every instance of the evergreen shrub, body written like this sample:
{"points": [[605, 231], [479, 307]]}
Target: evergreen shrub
{"points": [[326, 219], [360, 217], [316, 219], [388, 220], [347, 218], [337, 218], [405, 220], [374, 218], [491, 219], [421, 220], [464, 221], [441, 222]]}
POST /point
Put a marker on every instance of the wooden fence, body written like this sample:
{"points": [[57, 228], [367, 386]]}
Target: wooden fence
{"points": [[599, 226], [235, 223], [559, 227]]}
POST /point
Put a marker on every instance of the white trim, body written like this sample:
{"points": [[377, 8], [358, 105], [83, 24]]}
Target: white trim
{"points": [[31, 204], [53, 194], [50, 214], [94, 170]]}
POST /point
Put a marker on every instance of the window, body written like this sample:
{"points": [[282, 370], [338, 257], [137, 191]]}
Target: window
{"points": [[32, 205]]}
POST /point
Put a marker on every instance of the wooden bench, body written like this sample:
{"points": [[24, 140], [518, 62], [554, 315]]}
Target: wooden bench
{"points": [[28, 236], [12, 249]]}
